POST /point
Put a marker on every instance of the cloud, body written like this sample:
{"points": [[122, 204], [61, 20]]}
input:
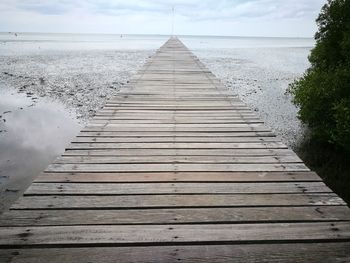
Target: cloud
{"points": [[45, 9], [155, 15]]}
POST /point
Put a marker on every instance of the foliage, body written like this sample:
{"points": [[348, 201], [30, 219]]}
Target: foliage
{"points": [[323, 93]]}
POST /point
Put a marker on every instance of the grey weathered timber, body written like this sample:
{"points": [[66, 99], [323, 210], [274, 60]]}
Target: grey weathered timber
{"points": [[176, 169], [289, 253]]}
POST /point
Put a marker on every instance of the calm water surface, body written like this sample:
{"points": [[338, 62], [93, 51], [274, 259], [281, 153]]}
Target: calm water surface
{"points": [[32, 133]]}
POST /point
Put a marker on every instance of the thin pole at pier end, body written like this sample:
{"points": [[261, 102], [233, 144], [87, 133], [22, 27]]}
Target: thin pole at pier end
{"points": [[172, 22]]}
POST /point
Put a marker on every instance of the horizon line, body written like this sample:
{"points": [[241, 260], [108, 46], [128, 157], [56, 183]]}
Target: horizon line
{"points": [[148, 34]]}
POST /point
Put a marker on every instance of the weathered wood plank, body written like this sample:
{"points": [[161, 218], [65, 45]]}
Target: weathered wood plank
{"points": [[163, 201], [178, 134], [173, 234], [174, 129], [175, 216], [192, 118], [180, 145], [177, 159], [179, 152], [174, 188], [268, 253], [174, 125], [173, 139], [179, 177], [180, 167], [190, 122], [177, 113]]}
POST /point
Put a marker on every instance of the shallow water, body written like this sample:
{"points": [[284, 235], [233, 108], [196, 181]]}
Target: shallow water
{"points": [[32, 134]]}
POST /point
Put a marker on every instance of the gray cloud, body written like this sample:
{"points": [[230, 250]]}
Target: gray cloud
{"points": [[219, 13]]}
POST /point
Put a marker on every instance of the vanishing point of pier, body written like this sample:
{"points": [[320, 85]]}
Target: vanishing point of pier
{"points": [[176, 169]]}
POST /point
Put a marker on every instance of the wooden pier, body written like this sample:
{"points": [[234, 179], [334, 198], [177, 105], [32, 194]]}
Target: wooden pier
{"points": [[176, 169]]}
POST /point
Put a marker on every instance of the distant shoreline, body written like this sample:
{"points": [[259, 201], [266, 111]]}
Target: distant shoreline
{"points": [[157, 35]]}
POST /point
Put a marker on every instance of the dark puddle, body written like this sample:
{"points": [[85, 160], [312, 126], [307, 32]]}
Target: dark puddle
{"points": [[32, 133]]}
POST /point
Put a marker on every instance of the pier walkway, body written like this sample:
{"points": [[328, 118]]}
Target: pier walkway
{"points": [[176, 169]]}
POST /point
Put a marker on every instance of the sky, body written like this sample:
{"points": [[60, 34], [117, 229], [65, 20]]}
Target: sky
{"points": [[270, 18]]}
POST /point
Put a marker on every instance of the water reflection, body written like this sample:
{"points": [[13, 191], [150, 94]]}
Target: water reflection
{"points": [[32, 134]]}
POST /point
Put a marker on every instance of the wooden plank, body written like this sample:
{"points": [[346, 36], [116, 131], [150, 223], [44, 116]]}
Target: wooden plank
{"points": [[176, 159], [174, 134], [180, 167], [174, 129], [179, 145], [190, 118], [180, 104], [179, 152], [193, 123], [239, 215], [174, 108], [179, 177], [174, 188], [238, 253], [174, 125], [168, 119], [173, 234], [164, 201], [173, 139], [181, 113]]}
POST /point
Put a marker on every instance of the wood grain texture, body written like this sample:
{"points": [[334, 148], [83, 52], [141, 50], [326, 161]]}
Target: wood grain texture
{"points": [[178, 152], [179, 145], [180, 167], [174, 188], [237, 215], [239, 253], [173, 234], [179, 177], [162, 201], [178, 159]]}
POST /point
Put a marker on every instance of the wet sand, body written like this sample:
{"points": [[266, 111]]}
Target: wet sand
{"points": [[260, 77], [82, 81]]}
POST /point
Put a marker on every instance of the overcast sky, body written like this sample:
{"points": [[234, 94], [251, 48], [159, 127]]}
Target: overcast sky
{"points": [[295, 18]]}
